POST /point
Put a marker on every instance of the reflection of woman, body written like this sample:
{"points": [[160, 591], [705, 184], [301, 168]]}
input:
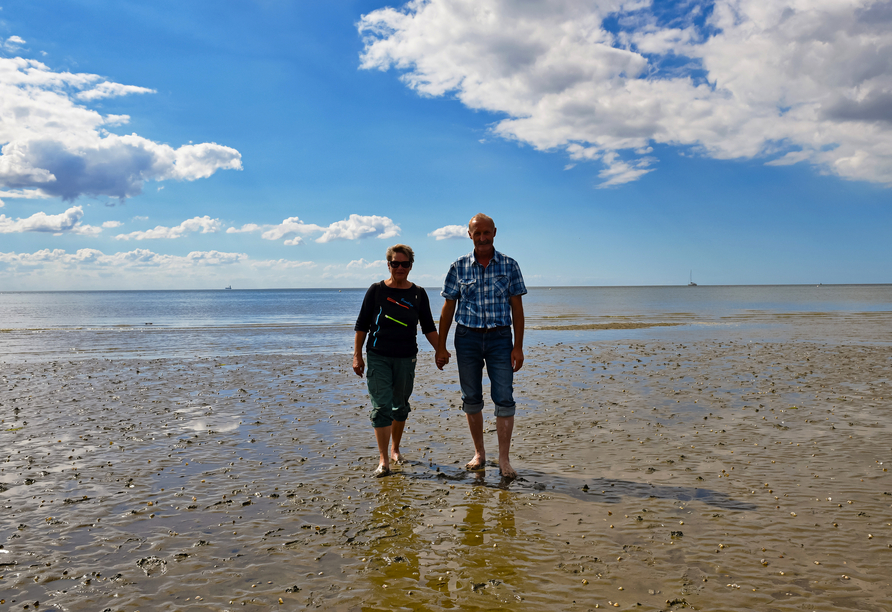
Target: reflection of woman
{"points": [[390, 314]]}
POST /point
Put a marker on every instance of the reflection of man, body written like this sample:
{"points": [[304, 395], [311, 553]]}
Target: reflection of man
{"points": [[483, 293]]}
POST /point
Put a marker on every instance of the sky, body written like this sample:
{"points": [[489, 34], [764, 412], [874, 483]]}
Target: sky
{"points": [[288, 143]]}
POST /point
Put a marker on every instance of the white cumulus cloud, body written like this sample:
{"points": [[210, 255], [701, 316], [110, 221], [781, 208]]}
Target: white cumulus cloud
{"points": [[84, 230], [359, 226], [247, 227], [358, 270], [448, 232], [68, 221], [362, 264], [215, 258], [13, 43], [110, 90], [137, 258], [54, 143], [282, 264], [292, 230], [22, 194], [786, 81], [204, 224]]}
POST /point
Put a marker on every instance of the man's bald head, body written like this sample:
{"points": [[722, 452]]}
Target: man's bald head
{"points": [[480, 218]]}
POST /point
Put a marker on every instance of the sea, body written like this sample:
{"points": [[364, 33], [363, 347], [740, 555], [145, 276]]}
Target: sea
{"points": [[40, 326]]}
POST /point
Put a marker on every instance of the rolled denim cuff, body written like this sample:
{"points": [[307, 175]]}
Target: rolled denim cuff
{"points": [[472, 408], [505, 411]]}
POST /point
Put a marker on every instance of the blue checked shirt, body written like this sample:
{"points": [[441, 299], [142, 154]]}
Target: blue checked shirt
{"points": [[482, 294]]}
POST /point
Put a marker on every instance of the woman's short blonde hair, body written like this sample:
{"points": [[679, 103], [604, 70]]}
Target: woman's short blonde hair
{"points": [[401, 248]]}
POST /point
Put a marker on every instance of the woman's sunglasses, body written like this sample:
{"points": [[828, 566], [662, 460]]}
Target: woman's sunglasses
{"points": [[397, 264]]}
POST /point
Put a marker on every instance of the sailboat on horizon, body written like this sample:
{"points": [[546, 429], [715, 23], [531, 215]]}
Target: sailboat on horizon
{"points": [[691, 282]]}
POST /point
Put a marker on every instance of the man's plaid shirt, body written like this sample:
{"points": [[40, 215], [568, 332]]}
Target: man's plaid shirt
{"points": [[483, 294]]}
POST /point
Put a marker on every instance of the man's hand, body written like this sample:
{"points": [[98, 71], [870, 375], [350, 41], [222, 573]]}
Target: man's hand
{"points": [[516, 358], [442, 358], [358, 365]]}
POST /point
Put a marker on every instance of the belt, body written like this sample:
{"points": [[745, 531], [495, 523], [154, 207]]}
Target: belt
{"points": [[487, 330]]}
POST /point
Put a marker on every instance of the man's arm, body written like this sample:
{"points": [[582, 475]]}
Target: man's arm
{"points": [[518, 322], [446, 316], [358, 363]]}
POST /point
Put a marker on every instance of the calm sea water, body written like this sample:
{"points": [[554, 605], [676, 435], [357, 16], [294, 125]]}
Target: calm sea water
{"points": [[53, 325]]}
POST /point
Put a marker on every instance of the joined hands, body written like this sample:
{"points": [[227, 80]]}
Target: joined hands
{"points": [[442, 358]]}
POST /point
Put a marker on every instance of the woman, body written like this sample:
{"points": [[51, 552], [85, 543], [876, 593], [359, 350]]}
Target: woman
{"points": [[390, 314]]}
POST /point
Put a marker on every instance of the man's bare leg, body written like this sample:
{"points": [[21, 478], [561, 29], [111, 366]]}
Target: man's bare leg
{"points": [[504, 430], [382, 435], [475, 424], [397, 435]]}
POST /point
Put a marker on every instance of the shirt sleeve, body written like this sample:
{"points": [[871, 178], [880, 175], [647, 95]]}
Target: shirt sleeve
{"points": [[425, 318], [366, 312], [516, 286], [451, 290]]}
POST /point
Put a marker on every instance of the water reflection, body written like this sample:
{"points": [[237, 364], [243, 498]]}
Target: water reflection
{"points": [[438, 548]]}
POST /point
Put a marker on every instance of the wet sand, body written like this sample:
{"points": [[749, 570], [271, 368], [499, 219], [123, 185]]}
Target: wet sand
{"points": [[653, 476]]}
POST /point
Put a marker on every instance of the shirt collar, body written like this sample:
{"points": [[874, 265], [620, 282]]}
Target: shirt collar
{"points": [[496, 257]]}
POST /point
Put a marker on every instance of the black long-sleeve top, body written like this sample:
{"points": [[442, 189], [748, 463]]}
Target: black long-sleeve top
{"points": [[391, 318]]}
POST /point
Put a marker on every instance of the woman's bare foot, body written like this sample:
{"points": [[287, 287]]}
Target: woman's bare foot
{"points": [[397, 458], [477, 463], [382, 471], [507, 471]]}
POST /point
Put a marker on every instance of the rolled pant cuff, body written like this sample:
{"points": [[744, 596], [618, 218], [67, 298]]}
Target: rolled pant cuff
{"points": [[472, 408], [505, 411]]}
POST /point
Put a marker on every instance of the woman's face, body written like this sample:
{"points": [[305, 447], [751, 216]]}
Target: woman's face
{"points": [[399, 273]]}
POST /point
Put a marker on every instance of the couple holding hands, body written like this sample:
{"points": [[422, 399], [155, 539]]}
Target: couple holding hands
{"points": [[483, 292]]}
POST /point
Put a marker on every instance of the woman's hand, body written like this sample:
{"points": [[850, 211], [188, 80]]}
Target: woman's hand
{"points": [[358, 365], [442, 358]]}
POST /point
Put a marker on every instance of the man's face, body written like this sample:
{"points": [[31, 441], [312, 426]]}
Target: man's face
{"points": [[482, 233]]}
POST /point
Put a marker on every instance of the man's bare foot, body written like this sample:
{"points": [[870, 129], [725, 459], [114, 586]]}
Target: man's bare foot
{"points": [[507, 471], [382, 471], [476, 464], [397, 458]]}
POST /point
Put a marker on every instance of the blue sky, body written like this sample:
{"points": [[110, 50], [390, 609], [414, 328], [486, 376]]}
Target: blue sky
{"points": [[275, 143]]}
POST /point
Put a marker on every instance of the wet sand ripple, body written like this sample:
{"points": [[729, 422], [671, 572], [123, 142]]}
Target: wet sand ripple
{"points": [[728, 474]]}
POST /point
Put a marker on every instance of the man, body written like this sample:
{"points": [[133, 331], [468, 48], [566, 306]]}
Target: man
{"points": [[483, 294]]}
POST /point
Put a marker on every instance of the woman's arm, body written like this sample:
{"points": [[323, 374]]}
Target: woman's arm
{"points": [[434, 339], [358, 363]]}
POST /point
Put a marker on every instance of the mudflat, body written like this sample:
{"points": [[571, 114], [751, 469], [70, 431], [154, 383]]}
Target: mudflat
{"points": [[654, 475]]}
